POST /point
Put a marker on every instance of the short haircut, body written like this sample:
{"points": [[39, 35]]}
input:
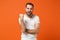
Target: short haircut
{"points": [[29, 4]]}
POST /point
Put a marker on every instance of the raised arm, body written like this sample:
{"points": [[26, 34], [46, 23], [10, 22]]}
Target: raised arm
{"points": [[21, 22]]}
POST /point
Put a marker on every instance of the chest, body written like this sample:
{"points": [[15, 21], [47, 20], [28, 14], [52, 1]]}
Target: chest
{"points": [[30, 22]]}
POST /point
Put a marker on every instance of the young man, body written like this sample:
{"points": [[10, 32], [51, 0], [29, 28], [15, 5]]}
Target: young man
{"points": [[30, 23]]}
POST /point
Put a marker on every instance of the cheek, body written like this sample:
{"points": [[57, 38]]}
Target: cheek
{"points": [[31, 10]]}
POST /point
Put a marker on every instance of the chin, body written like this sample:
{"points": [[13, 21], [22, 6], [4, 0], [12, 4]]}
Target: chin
{"points": [[28, 14]]}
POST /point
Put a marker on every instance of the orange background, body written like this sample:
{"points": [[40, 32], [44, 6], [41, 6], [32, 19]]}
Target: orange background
{"points": [[48, 10]]}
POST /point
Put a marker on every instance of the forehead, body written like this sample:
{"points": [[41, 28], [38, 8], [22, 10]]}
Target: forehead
{"points": [[29, 6]]}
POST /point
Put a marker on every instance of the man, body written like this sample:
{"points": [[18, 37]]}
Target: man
{"points": [[29, 23]]}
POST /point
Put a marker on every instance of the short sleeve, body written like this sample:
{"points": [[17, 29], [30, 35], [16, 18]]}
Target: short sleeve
{"points": [[37, 20]]}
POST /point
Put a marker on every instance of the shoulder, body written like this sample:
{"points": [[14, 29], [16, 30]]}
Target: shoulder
{"points": [[37, 17]]}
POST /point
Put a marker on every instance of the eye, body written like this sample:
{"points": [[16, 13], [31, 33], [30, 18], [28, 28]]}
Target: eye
{"points": [[31, 8], [27, 8]]}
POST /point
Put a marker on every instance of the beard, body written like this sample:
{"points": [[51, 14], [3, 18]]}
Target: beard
{"points": [[29, 13]]}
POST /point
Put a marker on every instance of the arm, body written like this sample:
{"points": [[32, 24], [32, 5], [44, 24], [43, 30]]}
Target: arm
{"points": [[21, 22], [35, 30]]}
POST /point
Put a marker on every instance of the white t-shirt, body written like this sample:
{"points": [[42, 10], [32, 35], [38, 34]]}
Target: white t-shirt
{"points": [[30, 22]]}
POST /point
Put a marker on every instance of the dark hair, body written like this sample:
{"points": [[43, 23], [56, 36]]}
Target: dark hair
{"points": [[29, 4]]}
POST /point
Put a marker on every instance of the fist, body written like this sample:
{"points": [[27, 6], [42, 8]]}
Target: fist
{"points": [[21, 16]]}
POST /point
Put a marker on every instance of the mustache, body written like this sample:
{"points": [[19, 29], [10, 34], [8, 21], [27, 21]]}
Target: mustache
{"points": [[29, 11]]}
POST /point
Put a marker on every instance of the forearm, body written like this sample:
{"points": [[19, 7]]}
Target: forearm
{"points": [[31, 31], [21, 21], [23, 27]]}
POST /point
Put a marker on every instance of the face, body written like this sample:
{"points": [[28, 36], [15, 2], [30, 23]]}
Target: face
{"points": [[29, 9]]}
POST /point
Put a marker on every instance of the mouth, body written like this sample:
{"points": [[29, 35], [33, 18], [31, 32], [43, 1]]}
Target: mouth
{"points": [[30, 12]]}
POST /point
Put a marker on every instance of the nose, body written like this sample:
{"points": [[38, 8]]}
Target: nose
{"points": [[29, 10]]}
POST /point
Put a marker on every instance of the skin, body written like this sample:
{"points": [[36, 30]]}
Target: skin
{"points": [[29, 11]]}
